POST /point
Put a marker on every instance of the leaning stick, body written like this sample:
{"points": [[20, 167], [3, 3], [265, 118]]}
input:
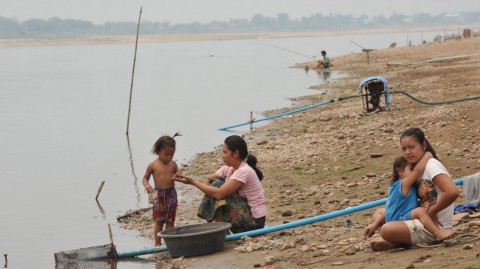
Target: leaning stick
{"points": [[133, 213], [133, 72], [6, 260], [110, 233], [99, 190]]}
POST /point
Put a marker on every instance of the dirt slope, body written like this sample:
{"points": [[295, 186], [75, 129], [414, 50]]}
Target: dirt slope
{"points": [[336, 156]]}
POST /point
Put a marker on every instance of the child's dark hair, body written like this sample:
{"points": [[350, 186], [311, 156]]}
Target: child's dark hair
{"points": [[164, 142], [235, 142], [399, 164], [418, 134]]}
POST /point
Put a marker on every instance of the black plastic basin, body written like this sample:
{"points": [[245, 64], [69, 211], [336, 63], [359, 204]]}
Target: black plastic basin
{"points": [[196, 239]]}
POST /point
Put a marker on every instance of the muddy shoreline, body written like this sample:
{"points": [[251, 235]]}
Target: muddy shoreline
{"points": [[337, 156]]}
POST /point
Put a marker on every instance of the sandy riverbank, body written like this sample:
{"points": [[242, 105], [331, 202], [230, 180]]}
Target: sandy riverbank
{"points": [[320, 161], [219, 36]]}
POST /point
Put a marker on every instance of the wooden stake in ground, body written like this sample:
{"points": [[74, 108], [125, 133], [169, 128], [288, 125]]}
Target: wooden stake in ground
{"points": [[6, 260], [133, 72], [110, 233], [251, 120], [99, 190]]}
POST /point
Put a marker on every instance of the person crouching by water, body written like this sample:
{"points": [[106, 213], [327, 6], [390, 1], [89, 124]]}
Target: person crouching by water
{"points": [[234, 193], [162, 169], [325, 62]]}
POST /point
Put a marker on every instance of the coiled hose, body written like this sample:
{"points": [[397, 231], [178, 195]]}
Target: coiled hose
{"points": [[436, 103]]}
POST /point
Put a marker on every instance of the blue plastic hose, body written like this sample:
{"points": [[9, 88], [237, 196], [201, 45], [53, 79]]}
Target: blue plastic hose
{"points": [[289, 112], [277, 228]]}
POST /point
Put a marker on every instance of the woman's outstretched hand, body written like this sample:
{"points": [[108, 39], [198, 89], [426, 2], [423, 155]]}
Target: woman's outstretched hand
{"points": [[182, 178]]}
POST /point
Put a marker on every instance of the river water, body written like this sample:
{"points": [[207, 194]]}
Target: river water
{"points": [[63, 120]]}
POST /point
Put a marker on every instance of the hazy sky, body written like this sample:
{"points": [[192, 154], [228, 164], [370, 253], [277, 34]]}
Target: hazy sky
{"points": [[179, 11]]}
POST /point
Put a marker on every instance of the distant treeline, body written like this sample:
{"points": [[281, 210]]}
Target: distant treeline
{"points": [[67, 28]]}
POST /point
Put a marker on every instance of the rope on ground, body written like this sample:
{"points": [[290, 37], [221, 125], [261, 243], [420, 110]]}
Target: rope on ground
{"points": [[459, 239], [333, 255]]}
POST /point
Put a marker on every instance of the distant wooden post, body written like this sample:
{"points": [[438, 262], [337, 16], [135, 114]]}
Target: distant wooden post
{"points": [[251, 120], [133, 72]]}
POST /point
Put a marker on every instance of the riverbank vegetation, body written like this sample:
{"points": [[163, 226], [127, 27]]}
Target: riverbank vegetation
{"points": [[55, 27]]}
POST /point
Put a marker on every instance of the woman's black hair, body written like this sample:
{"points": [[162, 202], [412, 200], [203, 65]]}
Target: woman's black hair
{"points": [[398, 164], [418, 134], [235, 142], [165, 141]]}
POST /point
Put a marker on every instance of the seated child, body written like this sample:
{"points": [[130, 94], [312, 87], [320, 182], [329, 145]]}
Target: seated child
{"points": [[402, 198]]}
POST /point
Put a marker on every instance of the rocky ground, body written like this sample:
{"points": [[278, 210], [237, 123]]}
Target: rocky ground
{"points": [[337, 156]]}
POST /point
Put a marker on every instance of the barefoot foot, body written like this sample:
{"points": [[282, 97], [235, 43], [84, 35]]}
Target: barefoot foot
{"points": [[381, 245], [444, 234]]}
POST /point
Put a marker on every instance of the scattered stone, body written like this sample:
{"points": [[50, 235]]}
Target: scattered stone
{"points": [[241, 249], [269, 260], [474, 224], [305, 249], [287, 213]]}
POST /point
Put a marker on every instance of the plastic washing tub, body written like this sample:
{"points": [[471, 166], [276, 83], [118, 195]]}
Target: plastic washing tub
{"points": [[196, 239]]}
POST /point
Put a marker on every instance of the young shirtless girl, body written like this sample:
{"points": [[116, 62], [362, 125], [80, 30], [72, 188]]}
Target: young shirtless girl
{"points": [[162, 169]]}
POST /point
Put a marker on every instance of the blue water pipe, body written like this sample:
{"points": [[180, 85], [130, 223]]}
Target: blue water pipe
{"points": [[360, 85], [318, 218], [289, 112], [277, 228]]}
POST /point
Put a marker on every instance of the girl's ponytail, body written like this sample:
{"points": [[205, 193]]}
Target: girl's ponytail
{"points": [[252, 161]]}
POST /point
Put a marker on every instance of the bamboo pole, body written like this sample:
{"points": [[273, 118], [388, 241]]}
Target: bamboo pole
{"points": [[133, 72], [136, 180], [99, 190]]}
